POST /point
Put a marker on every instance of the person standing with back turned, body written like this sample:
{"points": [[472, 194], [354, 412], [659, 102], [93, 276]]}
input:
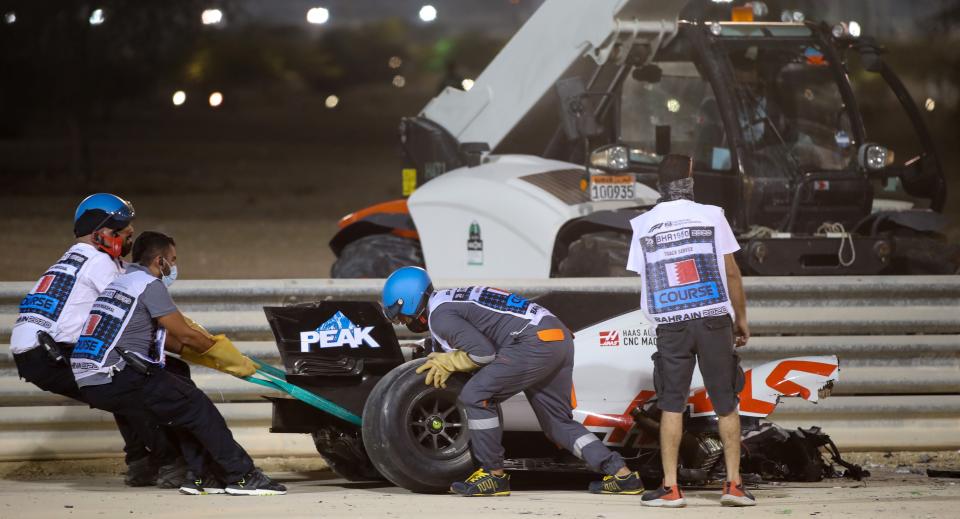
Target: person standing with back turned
{"points": [[693, 294]]}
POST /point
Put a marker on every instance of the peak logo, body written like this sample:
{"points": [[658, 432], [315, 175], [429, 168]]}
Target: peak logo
{"points": [[336, 332]]}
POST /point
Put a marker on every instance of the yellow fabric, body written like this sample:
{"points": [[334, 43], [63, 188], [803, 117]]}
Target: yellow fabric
{"points": [[442, 365], [197, 326], [222, 356], [551, 335]]}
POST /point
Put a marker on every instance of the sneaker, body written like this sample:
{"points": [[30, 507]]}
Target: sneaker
{"points": [[141, 473], [194, 486], [482, 483], [667, 497], [629, 484], [735, 495], [172, 475], [256, 483]]}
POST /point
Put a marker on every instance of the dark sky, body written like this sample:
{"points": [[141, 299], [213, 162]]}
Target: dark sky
{"points": [[493, 16]]}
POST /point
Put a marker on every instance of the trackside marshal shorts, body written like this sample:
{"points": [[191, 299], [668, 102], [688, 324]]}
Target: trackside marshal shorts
{"points": [[680, 346]]}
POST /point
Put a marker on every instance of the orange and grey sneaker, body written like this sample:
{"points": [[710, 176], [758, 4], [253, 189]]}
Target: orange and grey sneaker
{"points": [[482, 484], [735, 495], [667, 497]]}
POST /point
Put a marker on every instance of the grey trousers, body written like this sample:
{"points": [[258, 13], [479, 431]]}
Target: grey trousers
{"points": [[544, 372]]}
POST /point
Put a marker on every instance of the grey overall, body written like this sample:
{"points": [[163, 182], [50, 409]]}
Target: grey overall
{"points": [[515, 359]]}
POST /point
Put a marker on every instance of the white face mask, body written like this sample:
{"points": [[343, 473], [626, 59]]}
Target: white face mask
{"points": [[168, 279]]}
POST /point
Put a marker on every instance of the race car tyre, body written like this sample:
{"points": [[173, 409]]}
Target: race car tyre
{"points": [[343, 451], [596, 254], [376, 256], [416, 435]]}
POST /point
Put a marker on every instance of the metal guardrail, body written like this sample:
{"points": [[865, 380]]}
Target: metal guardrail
{"points": [[898, 339]]}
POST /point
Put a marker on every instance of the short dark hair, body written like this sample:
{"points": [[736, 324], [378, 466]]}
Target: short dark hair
{"points": [[149, 245], [674, 167]]}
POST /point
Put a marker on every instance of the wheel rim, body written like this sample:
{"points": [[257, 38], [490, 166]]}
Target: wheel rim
{"points": [[436, 424]]}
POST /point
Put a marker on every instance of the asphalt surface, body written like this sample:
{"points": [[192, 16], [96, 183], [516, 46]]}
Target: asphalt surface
{"points": [[319, 494]]}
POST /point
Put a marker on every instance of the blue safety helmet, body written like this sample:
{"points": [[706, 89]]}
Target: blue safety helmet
{"points": [[102, 210], [406, 293]]}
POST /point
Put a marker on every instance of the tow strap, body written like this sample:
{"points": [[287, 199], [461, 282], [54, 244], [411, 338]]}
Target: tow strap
{"points": [[273, 378]]}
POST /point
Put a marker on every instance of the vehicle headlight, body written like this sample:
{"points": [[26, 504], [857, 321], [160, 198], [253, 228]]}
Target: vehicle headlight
{"points": [[849, 29], [874, 157], [612, 157]]}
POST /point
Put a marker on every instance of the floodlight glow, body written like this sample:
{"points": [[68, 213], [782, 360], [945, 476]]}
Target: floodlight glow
{"points": [[673, 105], [179, 97], [395, 62], [331, 101], [10, 18], [930, 104], [854, 29], [318, 15], [467, 84], [216, 99], [428, 13], [211, 16], [399, 81], [96, 17]]}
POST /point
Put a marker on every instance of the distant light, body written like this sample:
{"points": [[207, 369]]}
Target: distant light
{"points": [[673, 105], [318, 15], [428, 13], [467, 84], [854, 29], [10, 18], [789, 16], [179, 97], [399, 81], [395, 62], [930, 104], [96, 17], [211, 16], [722, 1], [331, 101], [216, 99]]}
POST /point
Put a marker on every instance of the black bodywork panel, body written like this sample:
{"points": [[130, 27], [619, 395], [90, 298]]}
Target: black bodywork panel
{"points": [[344, 374]]}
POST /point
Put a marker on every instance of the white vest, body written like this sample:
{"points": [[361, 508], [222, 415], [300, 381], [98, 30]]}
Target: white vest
{"points": [[490, 298], [106, 323], [41, 309]]}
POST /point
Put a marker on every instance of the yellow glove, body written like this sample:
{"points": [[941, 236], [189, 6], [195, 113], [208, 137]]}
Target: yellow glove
{"points": [[222, 356], [197, 326], [442, 365]]}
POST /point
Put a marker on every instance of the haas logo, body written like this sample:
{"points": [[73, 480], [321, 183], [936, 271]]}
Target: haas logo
{"points": [[610, 338]]}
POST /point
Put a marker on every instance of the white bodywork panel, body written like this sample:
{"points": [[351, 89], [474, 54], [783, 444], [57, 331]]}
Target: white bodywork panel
{"points": [[558, 33], [518, 221], [613, 372]]}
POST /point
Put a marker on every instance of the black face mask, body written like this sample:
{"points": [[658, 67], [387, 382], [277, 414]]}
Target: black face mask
{"points": [[418, 324]]}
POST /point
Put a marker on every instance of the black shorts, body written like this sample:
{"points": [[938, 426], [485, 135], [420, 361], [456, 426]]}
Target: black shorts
{"points": [[680, 346]]}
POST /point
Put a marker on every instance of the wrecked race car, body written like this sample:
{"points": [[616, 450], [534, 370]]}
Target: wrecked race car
{"points": [[415, 436]]}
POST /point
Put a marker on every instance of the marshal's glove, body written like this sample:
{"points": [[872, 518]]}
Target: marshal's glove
{"points": [[197, 326], [222, 356], [442, 365]]}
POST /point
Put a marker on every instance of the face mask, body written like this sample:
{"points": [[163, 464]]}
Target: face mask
{"points": [[168, 279], [418, 324]]}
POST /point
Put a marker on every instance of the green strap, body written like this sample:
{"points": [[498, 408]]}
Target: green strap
{"points": [[272, 371], [273, 381]]}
